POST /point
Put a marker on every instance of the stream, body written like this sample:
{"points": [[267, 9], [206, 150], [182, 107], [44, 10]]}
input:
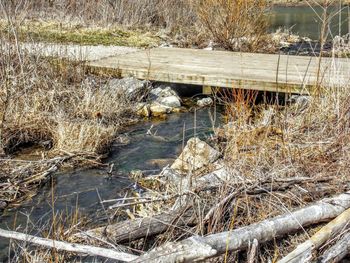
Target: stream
{"points": [[81, 189]]}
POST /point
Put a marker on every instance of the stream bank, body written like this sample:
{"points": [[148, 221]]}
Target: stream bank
{"points": [[79, 189]]}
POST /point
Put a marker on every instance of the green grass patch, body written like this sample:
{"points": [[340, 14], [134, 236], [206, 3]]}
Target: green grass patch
{"points": [[54, 32]]}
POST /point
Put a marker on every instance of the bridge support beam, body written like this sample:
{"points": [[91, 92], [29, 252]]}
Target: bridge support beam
{"points": [[207, 90]]}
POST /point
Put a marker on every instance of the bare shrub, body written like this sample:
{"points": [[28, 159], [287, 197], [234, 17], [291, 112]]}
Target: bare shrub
{"points": [[234, 24]]}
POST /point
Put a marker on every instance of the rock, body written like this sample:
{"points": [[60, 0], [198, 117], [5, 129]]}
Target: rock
{"points": [[301, 101], [171, 101], [159, 110], [142, 109], [178, 110], [131, 86], [3, 204], [205, 102], [165, 96], [196, 155], [162, 92]]}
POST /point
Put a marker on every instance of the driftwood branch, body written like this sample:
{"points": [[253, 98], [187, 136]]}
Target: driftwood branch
{"points": [[69, 247], [131, 230], [338, 251], [303, 252], [240, 239]]}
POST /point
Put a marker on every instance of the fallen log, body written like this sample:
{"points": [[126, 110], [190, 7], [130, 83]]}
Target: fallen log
{"points": [[69, 247], [134, 229], [131, 230], [303, 252], [338, 251], [239, 239]]}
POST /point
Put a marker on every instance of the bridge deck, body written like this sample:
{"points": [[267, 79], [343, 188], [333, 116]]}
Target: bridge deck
{"points": [[269, 72]]}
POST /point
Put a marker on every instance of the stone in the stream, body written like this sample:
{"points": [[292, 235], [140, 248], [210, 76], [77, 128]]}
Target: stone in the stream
{"points": [[132, 87], [196, 155], [142, 109], [171, 101], [163, 91], [166, 96], [205, 102], [157, 110]]}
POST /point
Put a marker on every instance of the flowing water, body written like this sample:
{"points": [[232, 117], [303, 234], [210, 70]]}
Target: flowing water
{"points": [[82, 188], [306, 21]]}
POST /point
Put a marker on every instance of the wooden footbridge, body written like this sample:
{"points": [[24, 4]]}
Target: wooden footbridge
{"points": [[264, 72]]}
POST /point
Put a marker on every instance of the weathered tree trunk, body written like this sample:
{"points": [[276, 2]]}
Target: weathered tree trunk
{"points": [[338, 251], [69, 247], [303, 252], [239, 239], [131, 230]]}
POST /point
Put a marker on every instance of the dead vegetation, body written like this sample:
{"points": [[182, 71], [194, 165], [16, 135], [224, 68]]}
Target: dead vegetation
{"points": [[276, 160], [233, 25], [53, 105]]}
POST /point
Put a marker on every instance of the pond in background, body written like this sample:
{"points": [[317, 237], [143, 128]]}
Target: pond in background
{"points": [[304, 21]]}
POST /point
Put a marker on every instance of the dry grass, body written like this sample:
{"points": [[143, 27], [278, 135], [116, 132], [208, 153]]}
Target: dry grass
{"points": [[156, 13], [53, 31], [52, 104], [41, 95], [233, 25]]}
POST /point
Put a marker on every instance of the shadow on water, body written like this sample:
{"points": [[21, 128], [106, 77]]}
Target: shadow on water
{"points": [[80, 189]]}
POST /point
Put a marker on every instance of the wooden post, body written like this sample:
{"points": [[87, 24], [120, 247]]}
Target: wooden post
{"points": [[207, 90]]}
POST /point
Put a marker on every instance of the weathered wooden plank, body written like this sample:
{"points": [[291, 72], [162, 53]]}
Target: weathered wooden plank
{"points": [[265, 72]]}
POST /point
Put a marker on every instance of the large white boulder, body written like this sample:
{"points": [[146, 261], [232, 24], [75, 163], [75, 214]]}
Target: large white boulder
{"points": [[196, 155], [171, 101], [165, 96]]}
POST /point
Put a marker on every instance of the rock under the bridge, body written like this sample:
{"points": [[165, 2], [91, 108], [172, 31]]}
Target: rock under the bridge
{"points": [[132, 87]]}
